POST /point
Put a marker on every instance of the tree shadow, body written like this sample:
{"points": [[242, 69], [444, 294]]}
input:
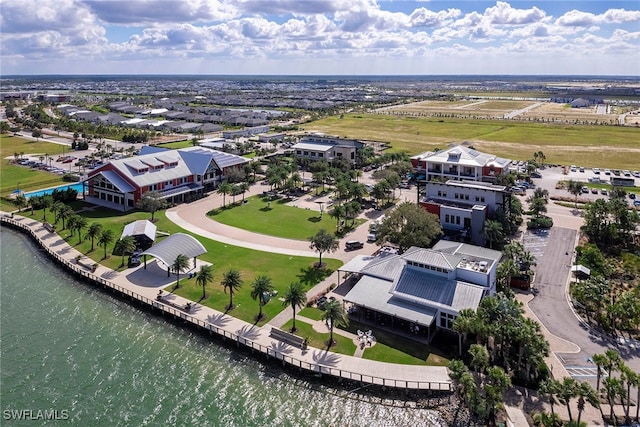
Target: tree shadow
{"points": [[266, 209], [312, 275], [314, 219]]}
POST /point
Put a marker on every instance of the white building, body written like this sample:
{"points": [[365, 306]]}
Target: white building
{"points": [[465, 205], [424, 288], [459, 163]]}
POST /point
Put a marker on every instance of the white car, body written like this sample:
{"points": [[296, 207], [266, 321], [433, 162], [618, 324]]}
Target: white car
{"points": [[607, 171], [596, 171]]}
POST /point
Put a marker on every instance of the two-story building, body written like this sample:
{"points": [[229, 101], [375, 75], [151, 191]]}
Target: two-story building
{"points": [[423, 290], [178, 175], [464, 206], [459, 163], [319, 147]]}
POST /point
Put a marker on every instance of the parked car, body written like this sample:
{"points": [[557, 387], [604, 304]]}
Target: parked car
{"points": [[604, 191], [594, 191], [626, 172], [632, 195], [607, 171], [535, 174], [596, 171], [585, 190], [636, 174], [352, 245]]}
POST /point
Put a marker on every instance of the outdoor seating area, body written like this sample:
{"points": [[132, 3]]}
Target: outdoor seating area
{"points": [[366, 338]]}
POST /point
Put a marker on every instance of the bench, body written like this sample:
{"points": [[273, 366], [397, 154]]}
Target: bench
{"points": [[48, 227], [292, 339]]}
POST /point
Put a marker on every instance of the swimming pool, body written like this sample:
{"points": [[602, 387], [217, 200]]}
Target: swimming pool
{"points": [[77, 187]]}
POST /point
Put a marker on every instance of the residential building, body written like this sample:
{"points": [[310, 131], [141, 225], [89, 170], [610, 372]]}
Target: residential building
{"points": [[459, 163], [423, 290], [318, 147], [464, 206], [178, 175]]}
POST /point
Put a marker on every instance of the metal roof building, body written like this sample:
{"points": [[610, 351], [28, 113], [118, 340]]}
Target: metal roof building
{"points": [[177, 244], [425, 287]]}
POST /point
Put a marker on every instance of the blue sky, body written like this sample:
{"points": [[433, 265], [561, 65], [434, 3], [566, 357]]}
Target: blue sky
{"points": [[302, 37]]}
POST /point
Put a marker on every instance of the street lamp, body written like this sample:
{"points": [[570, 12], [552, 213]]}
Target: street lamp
{"points": [[321, 205]]}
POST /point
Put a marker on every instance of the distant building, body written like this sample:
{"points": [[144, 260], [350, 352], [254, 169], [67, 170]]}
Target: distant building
{"points": [[464, 206], [459, 163], [423, 290], [319, 147], [178, 175]]}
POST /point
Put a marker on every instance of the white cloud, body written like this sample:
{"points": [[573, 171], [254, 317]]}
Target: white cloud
{"points": [[503, 14]]}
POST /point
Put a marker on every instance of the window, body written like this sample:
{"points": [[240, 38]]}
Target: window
{"points": [[457, 220], [439, 193], [446, 218], [446, 320], [466, 197], [482, 199], [320, 154], [455, 196]]}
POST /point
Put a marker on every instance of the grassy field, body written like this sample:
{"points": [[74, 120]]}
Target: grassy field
{"points": [[282, 269], [277, 220], [319, 340], [13, 177], [588, 145], [176, 144]]}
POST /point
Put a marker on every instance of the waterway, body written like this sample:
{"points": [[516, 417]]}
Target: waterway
{"points": [[99, 361]]}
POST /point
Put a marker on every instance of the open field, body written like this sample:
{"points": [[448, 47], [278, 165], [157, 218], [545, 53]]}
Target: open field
{"points": [[588, 145], [499, 108]]}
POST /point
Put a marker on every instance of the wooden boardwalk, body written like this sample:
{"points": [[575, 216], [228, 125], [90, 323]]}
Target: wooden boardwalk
{"points": [[143, 286]]}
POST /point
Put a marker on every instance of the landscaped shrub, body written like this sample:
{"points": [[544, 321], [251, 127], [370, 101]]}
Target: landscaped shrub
{"points": [[540, 222]]}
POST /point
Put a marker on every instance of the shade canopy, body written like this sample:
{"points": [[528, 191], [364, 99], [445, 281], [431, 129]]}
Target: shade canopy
{"points": [[177, 244]]}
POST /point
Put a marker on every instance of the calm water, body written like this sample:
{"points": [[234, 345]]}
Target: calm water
{"points": [[77, 187], [67, 347]]}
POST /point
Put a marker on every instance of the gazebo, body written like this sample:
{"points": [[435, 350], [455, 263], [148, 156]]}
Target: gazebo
{"points": [[143, 231], [177, 244]]}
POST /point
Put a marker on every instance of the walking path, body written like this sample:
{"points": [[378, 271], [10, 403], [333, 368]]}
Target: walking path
{"points": [[144, 285]]}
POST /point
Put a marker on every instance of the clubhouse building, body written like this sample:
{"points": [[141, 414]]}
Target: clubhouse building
{"points": [[329, 148], [178, 175], [422, 290], [459, 163]]}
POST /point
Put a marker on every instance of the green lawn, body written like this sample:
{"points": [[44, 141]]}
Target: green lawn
{"points": [[282, 269], [176, 144], [343, 345], [276, 219], [13, 177], [311, 313]]}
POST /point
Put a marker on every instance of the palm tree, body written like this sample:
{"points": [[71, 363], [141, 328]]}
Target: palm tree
{"points": [[47, 202], [80, 225], [567, 389], [125, 245], [550, 387], [493, 232], [94, 231], [224, 188], [55, 209], [294, 297], [505, 271], [322, 242], [586, 394], [204, 276], [71, 223], [575, 188], [180, 263], [21, 202], [479, 359], [600, 360], [261, 286], [231, 281], [334, 315], [106, 237], [613, 388], [243, 187], [464, 324], [65, 212]]}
